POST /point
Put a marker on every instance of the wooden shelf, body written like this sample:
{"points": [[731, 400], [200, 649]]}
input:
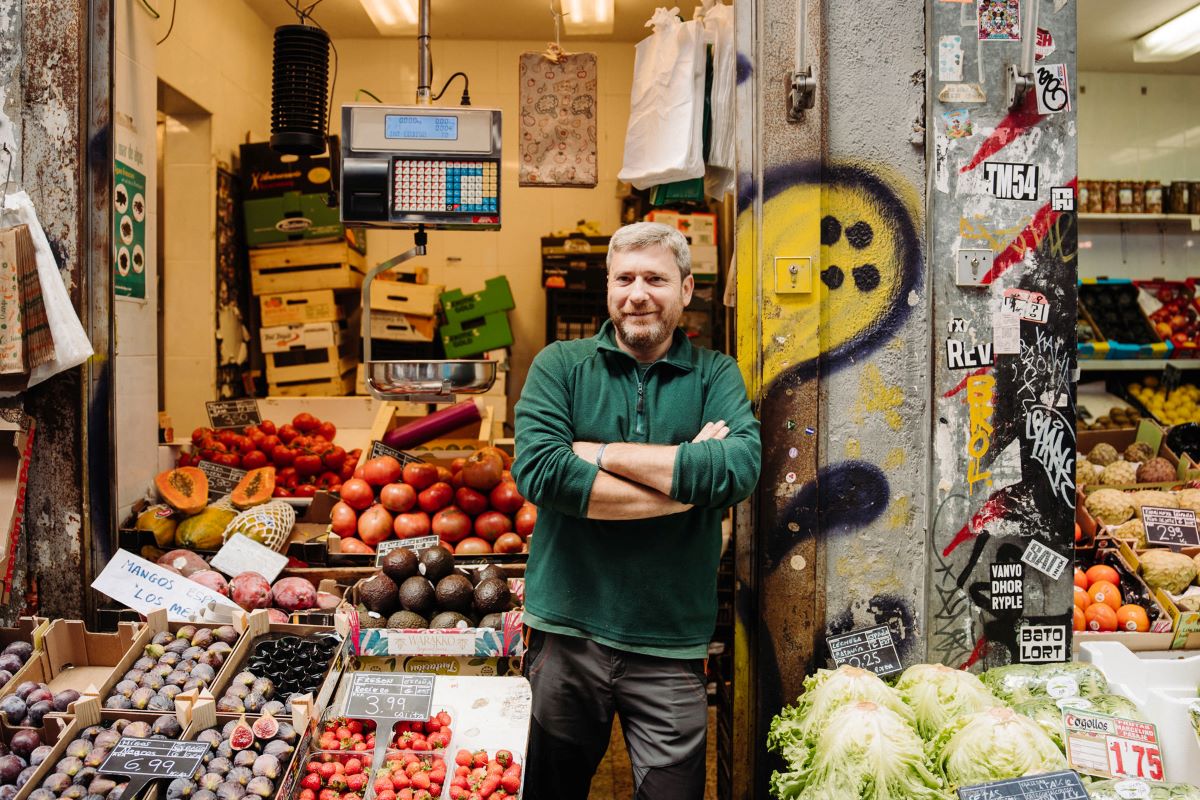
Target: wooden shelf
{"points": [[1128, 364], [1191, 219]]}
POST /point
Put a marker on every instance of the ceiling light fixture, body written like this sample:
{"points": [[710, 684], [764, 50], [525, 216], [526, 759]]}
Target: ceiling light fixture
{"points": [[392, 17], [1174, 40], [587, 17]]}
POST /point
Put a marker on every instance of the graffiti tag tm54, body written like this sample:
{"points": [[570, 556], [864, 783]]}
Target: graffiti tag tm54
{"points": [[979, 401]]}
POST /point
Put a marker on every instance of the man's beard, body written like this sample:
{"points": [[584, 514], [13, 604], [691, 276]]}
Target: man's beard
{"points": [[642, 337]]}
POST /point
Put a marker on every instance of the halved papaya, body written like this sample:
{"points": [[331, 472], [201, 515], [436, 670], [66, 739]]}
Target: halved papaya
{"points": [[184, 489], [254, 489]]}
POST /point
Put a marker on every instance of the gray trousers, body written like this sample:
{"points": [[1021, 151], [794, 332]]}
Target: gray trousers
{"points": [[578, 685]]}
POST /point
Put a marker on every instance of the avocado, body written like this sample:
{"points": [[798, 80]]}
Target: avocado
{"points": [[492, 596], [417, 595], [436, 563], [489, 571], [454, 593], [494, 621], [378, 594], [406, 619], [449, 619], [400, 564], [369, 619]]}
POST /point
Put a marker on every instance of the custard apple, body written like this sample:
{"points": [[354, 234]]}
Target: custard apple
{"points": [[1156, 470], [1138, 452], [1109, 506], [1133, 532], [1119, 473], [1151, 497], [1188, 498], [1103, 454], [1086, 472], [1163, 569]]}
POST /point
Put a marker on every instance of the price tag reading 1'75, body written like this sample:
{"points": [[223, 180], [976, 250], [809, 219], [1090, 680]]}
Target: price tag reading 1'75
{"points": [[1112, 747], [390, 696]]}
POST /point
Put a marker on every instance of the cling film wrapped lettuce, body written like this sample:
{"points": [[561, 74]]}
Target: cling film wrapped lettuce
{"points": [[938, 694], [1020, 683], [1127, 789], [864, 751], [993, 745], [1048, 711], [793, 730]]}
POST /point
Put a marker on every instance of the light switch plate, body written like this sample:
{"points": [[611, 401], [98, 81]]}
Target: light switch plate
{"points": [[971, 266], [793, 275]]}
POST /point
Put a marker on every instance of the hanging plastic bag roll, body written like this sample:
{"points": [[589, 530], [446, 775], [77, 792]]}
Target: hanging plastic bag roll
{"points": [[434, 425], [71, 344]]}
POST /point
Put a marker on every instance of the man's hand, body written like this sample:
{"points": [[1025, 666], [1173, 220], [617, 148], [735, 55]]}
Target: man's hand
{"points": [[712, 430], [586, 450]]}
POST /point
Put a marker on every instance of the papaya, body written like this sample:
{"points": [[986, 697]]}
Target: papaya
{"points": [[184, 489], [203, 531], [254, 489], [160, 520]]}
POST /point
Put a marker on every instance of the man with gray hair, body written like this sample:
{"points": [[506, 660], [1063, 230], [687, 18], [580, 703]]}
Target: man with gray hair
{"points": [[632, 444]]}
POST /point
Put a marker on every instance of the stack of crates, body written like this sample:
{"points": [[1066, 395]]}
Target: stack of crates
{"points": [[404, 319], [306, 269], [575, 277]]}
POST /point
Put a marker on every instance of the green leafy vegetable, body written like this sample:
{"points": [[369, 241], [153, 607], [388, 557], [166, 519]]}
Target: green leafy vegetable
{"points": [[938, 694], [993, 745], [1020, 683], [1122, 788], [1048, 714]]}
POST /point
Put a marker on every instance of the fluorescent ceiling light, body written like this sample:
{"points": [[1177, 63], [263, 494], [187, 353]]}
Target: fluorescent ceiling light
{"points": [[1172, 41], [392, 17], [587, 17]]}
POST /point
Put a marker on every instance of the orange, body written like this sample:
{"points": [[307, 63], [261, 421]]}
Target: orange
{"points": [[1078, 532], [1105, 592], [1080, 621], [1132, 618], [1100, 617], [1082, 599], [1103, 572], [1080, 578]]}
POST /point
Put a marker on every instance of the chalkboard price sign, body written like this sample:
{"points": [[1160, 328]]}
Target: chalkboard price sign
{"points": [[871, 649], [416, 545], [381, 449], [146, 760], [1171, 526], [389, 696], [1064, 785], [221, 479], [232, 413]]}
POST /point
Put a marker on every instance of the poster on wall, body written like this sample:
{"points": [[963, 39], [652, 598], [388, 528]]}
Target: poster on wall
{"points": [[1000, 20], [558, 120], [129, 231]]}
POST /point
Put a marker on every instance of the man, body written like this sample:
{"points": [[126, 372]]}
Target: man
{"points": [[632, 444]]}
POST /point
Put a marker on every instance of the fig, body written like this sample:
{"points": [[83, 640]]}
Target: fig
{"points": [[24, 688], [170, 692], [263, 686], [11, 663], [226, 634], [244, 758], [144, 663], [170, 659], [287, 733], [108, 739], [180, 788], [63, 699], [231, 790], [24, 742], [220, 766], [241, 775], [57, 782], [137, 729], [192, 653], [167, 725], [260, 786], [125, 688], [177, 678], [242, 736], [194, 683], [245, 678], [10, 767], [209, 736], [231, 705], [43, 794], [5, 677], [39, 754], [160, 703], [186, 632], [13, 709], [224, 750], [141, 698], [152, 680], [77, 749], [267, 766], [211, 781], [101, 785], [96, 756], [204, 672], [177, 646], [23, 779], [265, 727], [280, 749], [154, 651], [201, 794], [69, 766], [10, 791], [203, 638], [74, 792], [273, 708]]}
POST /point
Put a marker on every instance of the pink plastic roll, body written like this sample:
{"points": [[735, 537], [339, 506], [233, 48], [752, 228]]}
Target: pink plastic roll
{"points": [[432, 426]]}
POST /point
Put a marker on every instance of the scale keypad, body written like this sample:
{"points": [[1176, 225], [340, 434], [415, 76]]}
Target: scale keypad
{"points": [[445, 185]]}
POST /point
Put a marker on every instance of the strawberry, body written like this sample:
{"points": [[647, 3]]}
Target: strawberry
{"points": [[510, 782], [444, 718], [404, 794], [421, 746], [459, 782], [307, 794], [385, 794], [479, 758], [463, 758], [400, 780], [422, 794], [420, 780], [328, 794], [356, 782], [504, 757], [458, 792], [327, 771], [354, 766], [311, 782], [489, 785], [438, 773], [494, 768]]}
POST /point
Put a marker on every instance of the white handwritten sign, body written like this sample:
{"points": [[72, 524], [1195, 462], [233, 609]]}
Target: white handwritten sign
{"points": [[146, 587], [243, 554], [1052, 88], [1064, 785]]}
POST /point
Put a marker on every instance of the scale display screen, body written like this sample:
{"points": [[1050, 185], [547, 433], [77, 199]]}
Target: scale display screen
{"points": [[420, 126]]}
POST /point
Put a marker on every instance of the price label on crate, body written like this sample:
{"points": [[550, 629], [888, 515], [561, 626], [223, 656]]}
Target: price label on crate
{"points": [[232, 413], [1175, 527], [387, 698], [146, 760], [381, 449], [871, 649], [416, 545], [222, 479], [1112, 747], [1064, 785]]}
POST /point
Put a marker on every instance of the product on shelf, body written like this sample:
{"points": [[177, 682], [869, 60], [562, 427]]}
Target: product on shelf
{"points": [[278, 669], [478, 774], [30, 702], [1117, 417], [173, 662], [248, 759], [1179, 405]]}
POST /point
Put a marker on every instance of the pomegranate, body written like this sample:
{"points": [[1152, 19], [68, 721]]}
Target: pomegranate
{"points": [[375, 525], [250, 591], [451, 525]]}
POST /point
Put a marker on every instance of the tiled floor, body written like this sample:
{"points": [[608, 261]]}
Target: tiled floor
{"points": [[614, 777]]}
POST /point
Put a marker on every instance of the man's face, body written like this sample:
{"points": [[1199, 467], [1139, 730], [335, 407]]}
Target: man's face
{"points": [[646, 296]]}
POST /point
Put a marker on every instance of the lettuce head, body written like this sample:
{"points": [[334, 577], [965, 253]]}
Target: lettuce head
{"points": [[1121, 788], [993, 745], [1020, 683], [938, 694], [863, 751]]}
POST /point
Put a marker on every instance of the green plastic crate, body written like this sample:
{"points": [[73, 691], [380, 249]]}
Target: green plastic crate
{"points": [[495, 297], [463, 340]]}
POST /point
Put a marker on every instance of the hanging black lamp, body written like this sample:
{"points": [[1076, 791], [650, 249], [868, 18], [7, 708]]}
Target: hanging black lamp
{"points": [[298, 90]]}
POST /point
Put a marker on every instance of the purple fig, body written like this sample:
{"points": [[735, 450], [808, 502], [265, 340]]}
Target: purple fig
{"points": [[13, 708], [57, 782], [10, 768], [24, 742], [25, 688], [63, 699], [10, 791], [39, 754], [11, 663]]}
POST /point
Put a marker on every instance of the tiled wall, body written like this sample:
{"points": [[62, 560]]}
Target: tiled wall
{"points": [[1145, 127], [387, 68], [135, 366]]}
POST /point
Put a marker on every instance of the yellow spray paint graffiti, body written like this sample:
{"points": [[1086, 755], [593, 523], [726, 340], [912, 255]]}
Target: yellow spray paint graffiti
{"points": [[979, 402]]}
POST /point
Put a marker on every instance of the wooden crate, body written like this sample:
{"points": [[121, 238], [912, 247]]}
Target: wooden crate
{"points": [[313, 364], [406, 298], [341, 386], [335, 265], [299, 308]]}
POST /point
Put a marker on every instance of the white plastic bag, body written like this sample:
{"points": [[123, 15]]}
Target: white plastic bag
{"points": [[664, 140], [71, 344], [720, 177]]}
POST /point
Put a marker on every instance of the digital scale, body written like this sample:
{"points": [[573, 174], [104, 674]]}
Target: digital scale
{"points": [[408, 166], [420, 167]]}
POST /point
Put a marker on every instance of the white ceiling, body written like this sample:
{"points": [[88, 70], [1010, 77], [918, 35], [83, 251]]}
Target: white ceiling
{"points": [[1107, 29], [472, 19]]}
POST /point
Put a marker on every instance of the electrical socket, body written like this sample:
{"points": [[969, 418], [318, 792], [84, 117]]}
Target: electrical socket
{"points": [[971, 266]]}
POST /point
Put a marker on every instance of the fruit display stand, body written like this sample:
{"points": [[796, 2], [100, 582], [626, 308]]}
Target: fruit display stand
{"points": [[30, 631]]}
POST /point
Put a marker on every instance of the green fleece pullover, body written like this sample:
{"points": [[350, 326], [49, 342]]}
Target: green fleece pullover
{"points": [[640, 582]]}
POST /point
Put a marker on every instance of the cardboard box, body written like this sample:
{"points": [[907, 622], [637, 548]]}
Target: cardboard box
{"points": [[300, 269], [705, 266], [299, 308], [574, 262], [477, 642], [441, 665], [700, 228], [495, 297], [423, 300], [308, 336], [468, 339]]}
